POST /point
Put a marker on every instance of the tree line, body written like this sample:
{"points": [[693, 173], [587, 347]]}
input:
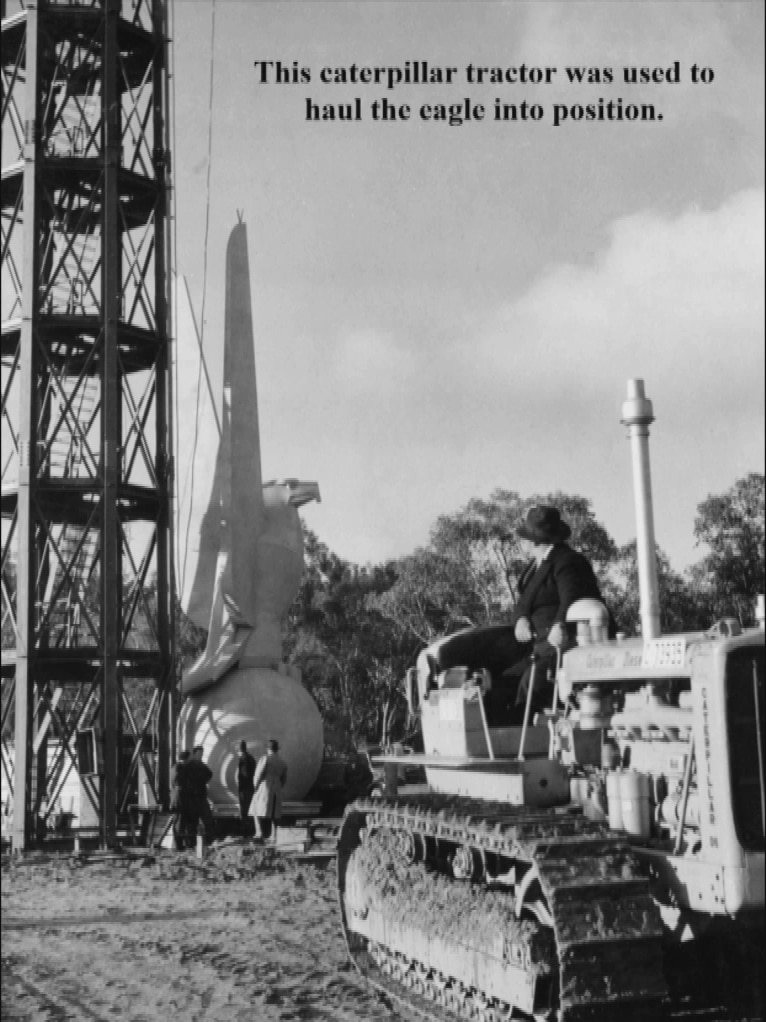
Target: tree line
{"points": [[355, 629]]}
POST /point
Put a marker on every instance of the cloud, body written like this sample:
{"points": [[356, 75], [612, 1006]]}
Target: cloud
{"points": [[368, 361], [679, 299], [718, 36]]}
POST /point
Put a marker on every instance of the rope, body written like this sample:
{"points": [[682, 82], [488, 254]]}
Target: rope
{"points": [[204, 287], [174, 299]]}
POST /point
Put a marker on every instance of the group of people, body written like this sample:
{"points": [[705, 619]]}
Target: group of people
{"points": [[259, 788], [188, 800]]}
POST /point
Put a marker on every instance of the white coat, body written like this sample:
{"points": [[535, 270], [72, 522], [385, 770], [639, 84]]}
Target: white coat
{"points": [[270, 777]]}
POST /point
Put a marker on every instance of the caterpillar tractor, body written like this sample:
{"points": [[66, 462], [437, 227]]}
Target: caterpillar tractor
{"points": [[557, 859]]}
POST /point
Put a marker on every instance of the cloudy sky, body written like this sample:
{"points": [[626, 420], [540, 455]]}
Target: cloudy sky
{"points": [[443, 310]]}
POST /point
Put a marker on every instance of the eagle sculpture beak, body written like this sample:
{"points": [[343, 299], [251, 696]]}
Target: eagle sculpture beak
{"points": [[296, 492]]}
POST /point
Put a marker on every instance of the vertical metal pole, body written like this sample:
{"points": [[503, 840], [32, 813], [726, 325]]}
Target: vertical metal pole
{"points": [[559, 657], [528, 705], [638, 415], [391, 779], [484, 724], [164, 411], [25, 592], [111, 574], [38, 778], [172, 285]]}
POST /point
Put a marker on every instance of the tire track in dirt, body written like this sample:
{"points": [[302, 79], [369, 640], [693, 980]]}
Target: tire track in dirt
{"points": [[109, 943], [46, 1004]]}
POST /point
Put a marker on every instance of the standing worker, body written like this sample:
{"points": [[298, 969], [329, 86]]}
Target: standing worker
{"points": [[270, 777], [198, 775], [179, 800], [245, 783]]}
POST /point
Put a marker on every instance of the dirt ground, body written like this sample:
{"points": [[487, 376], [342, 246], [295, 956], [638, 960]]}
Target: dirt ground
{"points": [[244, 934]]}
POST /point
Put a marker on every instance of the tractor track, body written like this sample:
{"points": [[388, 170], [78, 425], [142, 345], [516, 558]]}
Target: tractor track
{"points": [[607, 928]]}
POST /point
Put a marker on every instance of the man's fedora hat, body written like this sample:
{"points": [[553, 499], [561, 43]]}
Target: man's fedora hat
{"points": [[544, 525]]}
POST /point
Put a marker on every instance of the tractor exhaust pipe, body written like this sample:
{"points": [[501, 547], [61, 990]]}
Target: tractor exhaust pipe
{"points": [[637, 415]]}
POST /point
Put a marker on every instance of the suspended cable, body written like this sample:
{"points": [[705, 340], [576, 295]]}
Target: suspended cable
{"points": [[174, 298], [201, 368], [204, 286], [203, 363]]}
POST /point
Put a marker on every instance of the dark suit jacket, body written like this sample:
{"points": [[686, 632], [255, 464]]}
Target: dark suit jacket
{"points": [[245, 774], [548, 592], [178, 787]]}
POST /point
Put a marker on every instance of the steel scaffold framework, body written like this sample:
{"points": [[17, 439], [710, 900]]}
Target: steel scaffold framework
{"points": [[86, 469]]}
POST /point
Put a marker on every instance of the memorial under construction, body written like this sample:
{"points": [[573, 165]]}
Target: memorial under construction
{"points": [[87, 608]]}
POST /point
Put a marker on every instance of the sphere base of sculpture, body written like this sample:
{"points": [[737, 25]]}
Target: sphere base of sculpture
{"points": [[254, 704]]}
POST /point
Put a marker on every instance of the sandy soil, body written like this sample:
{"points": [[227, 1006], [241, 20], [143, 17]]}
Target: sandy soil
{"points": [[241, 936]]}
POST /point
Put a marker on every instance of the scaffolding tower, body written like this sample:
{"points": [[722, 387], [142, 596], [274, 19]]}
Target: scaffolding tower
{"points": [[86, 553]]}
